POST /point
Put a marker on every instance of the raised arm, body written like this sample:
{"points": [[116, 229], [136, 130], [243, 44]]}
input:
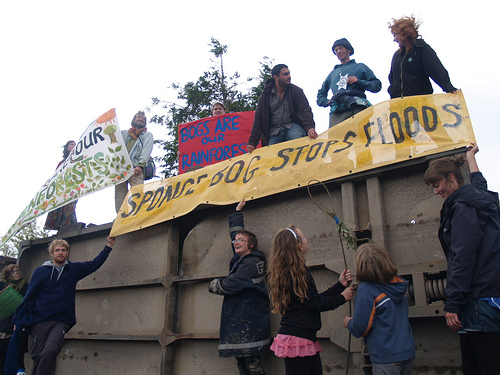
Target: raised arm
{"points": [[236, 221], [240, 205], [471, 157]]}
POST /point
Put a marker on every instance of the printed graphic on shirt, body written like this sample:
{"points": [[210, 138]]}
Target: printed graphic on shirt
{"points": [[260, 267], [342, 83]]}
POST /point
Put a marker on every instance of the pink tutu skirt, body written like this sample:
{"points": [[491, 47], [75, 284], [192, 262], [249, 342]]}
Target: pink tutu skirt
{"points": [[293, 346]]}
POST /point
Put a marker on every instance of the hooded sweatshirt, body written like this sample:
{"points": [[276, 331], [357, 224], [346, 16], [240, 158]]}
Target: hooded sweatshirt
{"points": [[381, 317], [470, 236], [52, 289], [244, 325], [366, 81]]}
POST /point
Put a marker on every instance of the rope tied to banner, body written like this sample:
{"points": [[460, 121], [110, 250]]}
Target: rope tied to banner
{"points": [[344, 235]]}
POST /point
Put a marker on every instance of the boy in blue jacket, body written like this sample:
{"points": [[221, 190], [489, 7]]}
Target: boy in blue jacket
{"points": [[381, 312], [52, 292]]}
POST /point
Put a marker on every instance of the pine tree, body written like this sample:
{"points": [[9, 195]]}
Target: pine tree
{"points": [[195, 101]]}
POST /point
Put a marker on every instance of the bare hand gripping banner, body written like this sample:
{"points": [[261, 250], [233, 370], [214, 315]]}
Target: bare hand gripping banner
{"points": [[99, 159], [387, 133]]}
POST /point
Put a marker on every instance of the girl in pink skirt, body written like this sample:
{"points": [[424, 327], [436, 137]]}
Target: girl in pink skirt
{"points": [[293, 293]]}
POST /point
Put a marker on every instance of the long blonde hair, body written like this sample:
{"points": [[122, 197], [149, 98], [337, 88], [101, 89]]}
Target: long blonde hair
{"points": [[286, 263]]}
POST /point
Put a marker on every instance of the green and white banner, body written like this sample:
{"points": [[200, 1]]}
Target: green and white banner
{"points": [[99, 159]]}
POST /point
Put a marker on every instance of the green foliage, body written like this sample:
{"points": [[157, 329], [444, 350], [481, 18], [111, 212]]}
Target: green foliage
{"points": [[29, 232], [195, 99], [346, 235]]}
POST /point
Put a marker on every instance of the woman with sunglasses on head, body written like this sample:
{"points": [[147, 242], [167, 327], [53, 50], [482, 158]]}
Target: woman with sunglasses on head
{"points": [[244, 327], [11, 276]]}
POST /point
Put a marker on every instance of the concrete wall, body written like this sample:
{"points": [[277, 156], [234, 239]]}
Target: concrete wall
{"points": [[148, 310]]}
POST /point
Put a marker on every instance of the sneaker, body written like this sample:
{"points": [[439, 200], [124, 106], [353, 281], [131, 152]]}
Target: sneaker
{"points": [[21, 372]]}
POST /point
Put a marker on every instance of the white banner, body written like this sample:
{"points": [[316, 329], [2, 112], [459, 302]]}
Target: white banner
{"points": [[99, 159]]}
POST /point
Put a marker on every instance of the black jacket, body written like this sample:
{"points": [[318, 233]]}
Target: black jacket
{"points": [[410, 72], [299, 108], [470, 236], [244, 326], [304, 319]]}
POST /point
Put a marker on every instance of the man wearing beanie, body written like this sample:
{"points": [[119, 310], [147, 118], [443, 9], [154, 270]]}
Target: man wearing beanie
{"points": [[283, 112], [139, 143], [348, 82]]}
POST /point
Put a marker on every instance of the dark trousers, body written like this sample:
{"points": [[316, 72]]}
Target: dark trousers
{"points": [[303, 365], [46, 343], [250, 365], [4, 344], [23, 348], [480, 353], [337, 118]]}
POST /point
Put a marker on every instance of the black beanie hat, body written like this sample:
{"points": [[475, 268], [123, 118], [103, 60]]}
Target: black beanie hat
{"points": [[343, 43]]}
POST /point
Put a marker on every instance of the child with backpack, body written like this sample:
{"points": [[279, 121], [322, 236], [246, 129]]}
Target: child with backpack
{"points": [[381, 312]]}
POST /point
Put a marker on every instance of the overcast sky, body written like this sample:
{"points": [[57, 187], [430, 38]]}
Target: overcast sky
{"points": [[65, 63]]}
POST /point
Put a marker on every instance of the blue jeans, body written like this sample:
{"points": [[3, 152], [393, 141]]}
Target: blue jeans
{"points": [[478, 315], [396, 368], [295, 131]]}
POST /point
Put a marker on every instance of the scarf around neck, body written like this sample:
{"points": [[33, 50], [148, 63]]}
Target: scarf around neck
{"points": [[135, 133], [18, 285]]}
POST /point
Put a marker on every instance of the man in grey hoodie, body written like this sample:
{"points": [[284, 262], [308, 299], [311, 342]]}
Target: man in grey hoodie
{"points": [[139, 143], [52, 293]]}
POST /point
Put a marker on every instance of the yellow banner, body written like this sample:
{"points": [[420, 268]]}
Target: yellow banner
{"points": [[387, 133]]}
